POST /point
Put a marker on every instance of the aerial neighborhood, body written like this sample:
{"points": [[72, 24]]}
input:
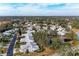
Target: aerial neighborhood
{"points": [[39, 35]]}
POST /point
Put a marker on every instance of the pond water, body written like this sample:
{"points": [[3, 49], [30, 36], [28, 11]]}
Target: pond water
{"points": [[77, 35], [0, 45]]}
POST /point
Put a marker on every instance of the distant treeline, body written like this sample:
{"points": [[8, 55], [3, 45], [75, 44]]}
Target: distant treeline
{"points": [[37, 17]]}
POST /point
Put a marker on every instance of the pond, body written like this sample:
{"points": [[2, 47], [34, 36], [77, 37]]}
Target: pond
{"points": [[77, 35], [0, 45]]}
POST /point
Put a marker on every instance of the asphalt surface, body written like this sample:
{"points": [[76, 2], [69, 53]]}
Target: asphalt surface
{"points": [[11, 46]]}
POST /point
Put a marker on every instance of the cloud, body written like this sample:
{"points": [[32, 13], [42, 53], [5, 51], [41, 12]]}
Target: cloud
{"points": [[38, 9]]}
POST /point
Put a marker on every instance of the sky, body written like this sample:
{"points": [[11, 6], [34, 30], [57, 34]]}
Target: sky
{"points": [[39, 9]]}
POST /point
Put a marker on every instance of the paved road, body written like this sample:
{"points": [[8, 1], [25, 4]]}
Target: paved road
{"points": [[11, 46]]}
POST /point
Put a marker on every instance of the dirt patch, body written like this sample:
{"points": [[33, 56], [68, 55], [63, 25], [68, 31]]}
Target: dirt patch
{"points": [[46, 52], [75, 30]]}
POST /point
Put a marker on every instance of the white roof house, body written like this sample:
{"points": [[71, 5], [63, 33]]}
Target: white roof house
{"points": [[53, 27], [37, 27], [61, 31], [34, 24], [69, 26], [30, 45], [28, 38], [45, 27], [29, 27]]}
